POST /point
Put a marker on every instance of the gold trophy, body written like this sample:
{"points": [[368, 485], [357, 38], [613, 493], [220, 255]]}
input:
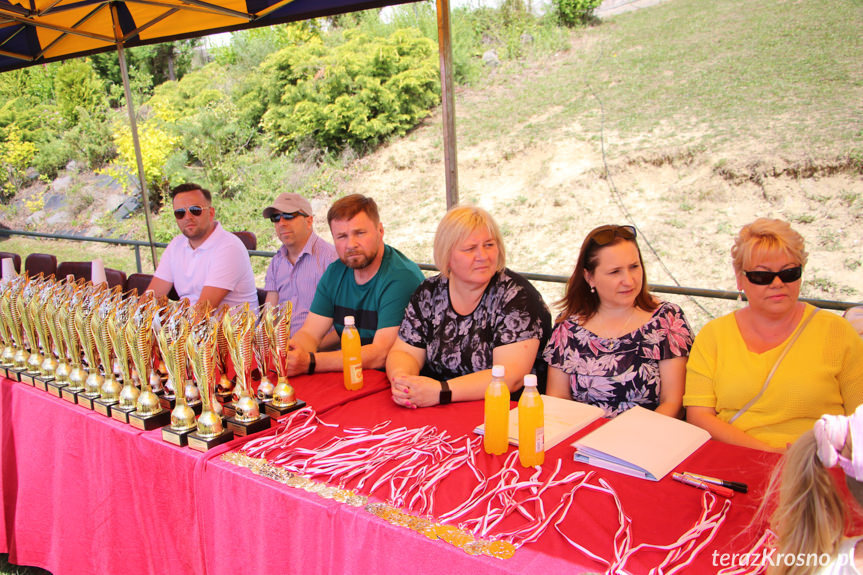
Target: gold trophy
{"points": [[225, 386], [171, 337], [109, 392], [66, 323], [167, 313], [277, 322], [116, 325], [87, 330], [79, 318], [25, 314], [13, 310], [10, 344], [148, 412], [201, 351], [58, 300], [239, 329], [41, 320], [262, 358]]}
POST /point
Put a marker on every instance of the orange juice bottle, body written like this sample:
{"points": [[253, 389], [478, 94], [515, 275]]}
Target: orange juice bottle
{"points": [[531, 425], [351, 361], [496, 440]]}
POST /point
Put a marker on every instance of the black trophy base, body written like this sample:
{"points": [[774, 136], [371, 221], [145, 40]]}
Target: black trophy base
{"points": [[274, 411], [168, 401], [205, 444], [70, 395], [28, 377], [175, 437], [103, 406], [9, 373], [55, 389], [244, 428], [88, 401], [14, 373], [149, 422], [121, 413], [228, 409]]}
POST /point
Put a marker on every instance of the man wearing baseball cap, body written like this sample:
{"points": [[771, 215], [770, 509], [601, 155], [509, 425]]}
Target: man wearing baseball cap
{"points": [[297, 267]]}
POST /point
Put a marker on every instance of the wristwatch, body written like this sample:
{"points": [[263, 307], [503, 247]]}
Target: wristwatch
{"points": [[445, 392], [312, 363]]}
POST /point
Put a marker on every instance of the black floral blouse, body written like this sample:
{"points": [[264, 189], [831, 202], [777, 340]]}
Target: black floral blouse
{"points": [[510, 310]]}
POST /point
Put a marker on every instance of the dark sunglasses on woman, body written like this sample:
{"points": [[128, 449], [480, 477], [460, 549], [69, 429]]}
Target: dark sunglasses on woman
{"points": [[196, 211], [607, 234], [765, 278]]}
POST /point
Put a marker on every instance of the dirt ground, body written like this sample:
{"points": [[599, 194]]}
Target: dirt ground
{"points": [[687, 208]]}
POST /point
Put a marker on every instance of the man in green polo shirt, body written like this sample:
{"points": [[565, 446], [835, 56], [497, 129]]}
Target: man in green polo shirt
{"points": [[371, 281]]}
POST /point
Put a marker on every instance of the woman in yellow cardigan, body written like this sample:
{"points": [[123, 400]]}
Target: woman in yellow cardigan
{"points": [[733, 356]]}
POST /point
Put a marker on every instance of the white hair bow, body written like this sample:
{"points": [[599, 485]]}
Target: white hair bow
{"points": [[831, 433]]}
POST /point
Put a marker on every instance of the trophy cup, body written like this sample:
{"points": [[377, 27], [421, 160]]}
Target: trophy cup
{"points": [[224, 387], [109, 393], [262, 358], [42, 321], [201, 351], [116, 326], [167, 313], [58, 300], [148, 412], [277, 322], [79, 321], [31, 369], [239, 329], [16, 323], [87, 328], [7, 359], [65, 320], [171, 337]]}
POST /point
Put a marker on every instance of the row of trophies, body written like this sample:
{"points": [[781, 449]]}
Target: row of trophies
{"points": [[130, 357]]}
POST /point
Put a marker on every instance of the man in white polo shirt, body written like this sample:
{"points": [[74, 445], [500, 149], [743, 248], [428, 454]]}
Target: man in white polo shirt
{"points": [[205, 263]]}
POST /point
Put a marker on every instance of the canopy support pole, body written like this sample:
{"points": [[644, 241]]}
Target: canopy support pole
{"points": [[447, 102], [124, 71]]}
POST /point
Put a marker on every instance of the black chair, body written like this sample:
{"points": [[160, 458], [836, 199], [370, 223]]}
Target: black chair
{"points": [[46, 264], [249, 239], [85, 269], [16, 260], [262, 296], [138, 282]]}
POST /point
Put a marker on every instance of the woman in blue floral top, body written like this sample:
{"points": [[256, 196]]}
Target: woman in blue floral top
{"points": [[615, 345]]}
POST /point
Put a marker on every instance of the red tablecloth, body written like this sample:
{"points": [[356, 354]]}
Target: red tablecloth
{"points": [[85, 494], [661, 511]]}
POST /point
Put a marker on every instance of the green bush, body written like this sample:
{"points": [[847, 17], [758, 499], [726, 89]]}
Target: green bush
{"points": [[15, 156], [575, 12], [77, 87], [352, 95]]}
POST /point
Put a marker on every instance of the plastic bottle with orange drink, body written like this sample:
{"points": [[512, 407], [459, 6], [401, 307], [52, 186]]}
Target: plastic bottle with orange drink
{"points": [[496, 439], [351, 360], [531, 425]]}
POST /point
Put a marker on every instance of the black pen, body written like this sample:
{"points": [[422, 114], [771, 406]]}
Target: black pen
{"points": [[735, 485]]}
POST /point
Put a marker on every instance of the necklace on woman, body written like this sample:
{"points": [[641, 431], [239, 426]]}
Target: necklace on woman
{"points": [[620, 331]]}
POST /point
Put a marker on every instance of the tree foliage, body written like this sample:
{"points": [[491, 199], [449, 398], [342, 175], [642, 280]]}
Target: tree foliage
{"points": [[354, 94], [575, 12], [78, 87]]}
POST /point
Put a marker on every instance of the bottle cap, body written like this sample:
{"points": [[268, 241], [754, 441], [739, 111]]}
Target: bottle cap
{"points": [[530, 380], [497, 371], [349, 320]]}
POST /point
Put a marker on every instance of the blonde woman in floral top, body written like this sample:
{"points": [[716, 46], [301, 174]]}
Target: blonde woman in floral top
{"points": [[615, 345]]}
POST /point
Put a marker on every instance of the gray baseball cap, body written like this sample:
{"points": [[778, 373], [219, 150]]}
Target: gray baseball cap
{"points": [[289, 203]]}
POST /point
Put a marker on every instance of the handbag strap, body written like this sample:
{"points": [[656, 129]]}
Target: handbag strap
{"points": [[749, 404]]}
